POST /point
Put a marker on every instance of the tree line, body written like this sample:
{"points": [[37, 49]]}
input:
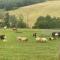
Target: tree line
{"points": [[43, 22], [10, 21], [12, 4], [47, 22]]}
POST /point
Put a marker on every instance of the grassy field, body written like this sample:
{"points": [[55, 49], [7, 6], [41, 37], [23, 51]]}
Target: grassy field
{"points": [[32, 12], [30, 50]]}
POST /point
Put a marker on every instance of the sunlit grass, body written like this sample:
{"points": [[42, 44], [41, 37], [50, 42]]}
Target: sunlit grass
{"points": [[30, 50]]}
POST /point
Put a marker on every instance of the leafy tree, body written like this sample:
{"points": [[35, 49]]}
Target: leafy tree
{"points": [[47, 22], [21, 23], [12, 21], [6, 19]]}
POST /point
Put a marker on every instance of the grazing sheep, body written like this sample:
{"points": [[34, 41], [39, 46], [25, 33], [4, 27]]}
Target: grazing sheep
{"points": [[34, 35], [14, 29], [19, 38], [55, 34], [44, 39], [38, 39], [5, 27], [2, 37], [51, 38], [4, 40], [22, 38], [41, 39]]}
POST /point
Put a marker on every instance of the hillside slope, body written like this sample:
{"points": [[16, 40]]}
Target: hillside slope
{"points": [[13, 4], [32, 12]]}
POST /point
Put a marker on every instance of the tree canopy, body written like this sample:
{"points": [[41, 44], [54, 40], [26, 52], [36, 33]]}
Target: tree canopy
{"points": [[47, 22]]}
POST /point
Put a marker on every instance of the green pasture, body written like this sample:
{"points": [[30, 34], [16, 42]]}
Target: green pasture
{"points": [[30, 50]]}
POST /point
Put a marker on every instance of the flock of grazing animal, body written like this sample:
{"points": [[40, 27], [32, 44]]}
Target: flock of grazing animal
{"points": [[40, 39], [37, 38]]}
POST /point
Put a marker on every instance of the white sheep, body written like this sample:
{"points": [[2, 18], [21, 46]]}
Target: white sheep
{"points": [[37, 39], [19, 38], [41, 39], [5, 27], [51, 38], [4, 40], [22, 38], [44, 39], [14, 29]]}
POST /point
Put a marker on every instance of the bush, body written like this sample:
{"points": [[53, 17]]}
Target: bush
{"points": [[11, 21], [47, 22]]}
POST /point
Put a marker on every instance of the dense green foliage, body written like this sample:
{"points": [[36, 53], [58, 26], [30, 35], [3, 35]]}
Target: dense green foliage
{"points": [[11, 21], [20, 23], [12, 4], [47, 22]]}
